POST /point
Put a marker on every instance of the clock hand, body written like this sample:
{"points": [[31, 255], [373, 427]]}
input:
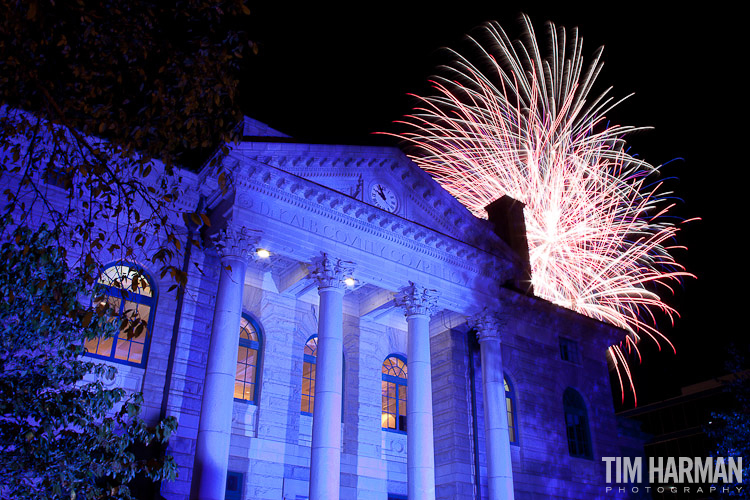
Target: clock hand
{"points": [[381, 192]]}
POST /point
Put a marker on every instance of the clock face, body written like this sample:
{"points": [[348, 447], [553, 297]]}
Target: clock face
{"points": [[383, 197]]}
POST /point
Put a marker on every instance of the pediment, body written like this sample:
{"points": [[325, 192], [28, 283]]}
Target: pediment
{"points": [[365, 173]]}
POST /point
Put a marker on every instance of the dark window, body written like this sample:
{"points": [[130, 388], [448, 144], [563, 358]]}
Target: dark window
{"points": [[577, 425], [510, 406], [248, 361], [234, 486], [130, 293], [569, 350], [394, 393]]}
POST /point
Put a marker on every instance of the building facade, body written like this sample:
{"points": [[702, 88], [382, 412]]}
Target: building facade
{"points": [[351, 331]]}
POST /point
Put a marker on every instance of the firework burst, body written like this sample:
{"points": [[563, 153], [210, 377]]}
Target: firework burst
{"points": [[526, 126]]}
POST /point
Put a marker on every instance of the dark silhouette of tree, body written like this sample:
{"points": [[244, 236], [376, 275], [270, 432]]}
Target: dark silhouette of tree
{"points": [[63, 434], [99, 101], [730, 428]]}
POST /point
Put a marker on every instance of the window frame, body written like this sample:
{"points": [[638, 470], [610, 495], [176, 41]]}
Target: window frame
{"points": [[510, 394], [239, 477], [400, 382], [259, 359], [313, 359], [569, 350], [132, 297], [575, 406]]}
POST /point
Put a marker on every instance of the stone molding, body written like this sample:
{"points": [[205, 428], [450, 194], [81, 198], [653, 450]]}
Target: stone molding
{"points": [[416, 299], [330, 272], [236, 242], [268, 180]]}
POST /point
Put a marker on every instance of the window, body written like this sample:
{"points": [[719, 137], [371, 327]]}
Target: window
{"points": [[248, 361], [129, 292], [234, 486], [510, 406], [308, 375], [394, 393], [577, 425], [569, 350]]}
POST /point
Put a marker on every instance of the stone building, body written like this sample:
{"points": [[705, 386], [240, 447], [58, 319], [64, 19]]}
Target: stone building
{"points": [[354, 332]]}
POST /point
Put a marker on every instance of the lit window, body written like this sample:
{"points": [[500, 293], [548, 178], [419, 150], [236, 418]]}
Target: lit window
{"points": [[510, 406], [248, 361], [308, 374], [577, 425], [129, 292], [394, 393]]}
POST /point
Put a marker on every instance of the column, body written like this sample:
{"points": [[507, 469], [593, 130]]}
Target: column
{"points": [[497, 440], [235, 245], [325, 451], [419, 304]]}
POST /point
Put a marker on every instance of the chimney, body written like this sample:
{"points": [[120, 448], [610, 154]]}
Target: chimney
{"points": [[506, 215]]}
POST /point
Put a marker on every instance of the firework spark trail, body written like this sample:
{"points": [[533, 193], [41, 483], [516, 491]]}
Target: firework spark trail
{"points": [[526, 128]]}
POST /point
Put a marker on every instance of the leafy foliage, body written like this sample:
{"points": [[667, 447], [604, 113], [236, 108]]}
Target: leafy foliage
{"points": [[154, 78], [63, 433], [101, 99], [730, 429]]}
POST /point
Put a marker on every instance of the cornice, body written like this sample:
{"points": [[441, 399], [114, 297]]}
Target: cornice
{"points": [[323, 161], [256, 177]]}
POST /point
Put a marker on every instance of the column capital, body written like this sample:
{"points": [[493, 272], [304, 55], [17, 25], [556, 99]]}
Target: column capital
{"points": [[416, 299], [488, 324], [330, 272], [236, 241]]}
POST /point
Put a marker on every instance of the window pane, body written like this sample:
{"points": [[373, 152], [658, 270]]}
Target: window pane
{"points": [[391, 390], [91, 345], [143, 311], [308, 370], [105, 347], [252, 359], [247, 330], [123, 349], [136, 352], [390, 421]]}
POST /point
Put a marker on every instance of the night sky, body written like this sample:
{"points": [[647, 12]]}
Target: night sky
{"points": [[336, 74]]}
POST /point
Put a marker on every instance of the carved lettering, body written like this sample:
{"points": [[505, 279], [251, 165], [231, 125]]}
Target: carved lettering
{"points": [[371, 246]]}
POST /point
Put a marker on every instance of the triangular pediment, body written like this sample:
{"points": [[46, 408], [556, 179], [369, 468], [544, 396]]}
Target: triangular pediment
{"points": [[253, 128], [381, 177]]}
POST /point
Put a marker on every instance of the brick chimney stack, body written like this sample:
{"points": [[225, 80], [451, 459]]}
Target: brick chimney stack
{"points": [[506, 214]]}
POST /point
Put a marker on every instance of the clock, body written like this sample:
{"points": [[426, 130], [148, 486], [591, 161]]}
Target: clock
{"points": [[383, 197]]}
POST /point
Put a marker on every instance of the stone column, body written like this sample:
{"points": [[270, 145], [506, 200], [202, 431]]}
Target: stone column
{"points": [[236, 246], [325, 452], [497, 440], [419, 304]]}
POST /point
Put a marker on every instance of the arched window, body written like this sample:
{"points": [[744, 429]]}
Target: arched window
{"points": [[308, 375], [510, 406], [130, 293], [577, 424], [394, 393], [248, 361]]}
